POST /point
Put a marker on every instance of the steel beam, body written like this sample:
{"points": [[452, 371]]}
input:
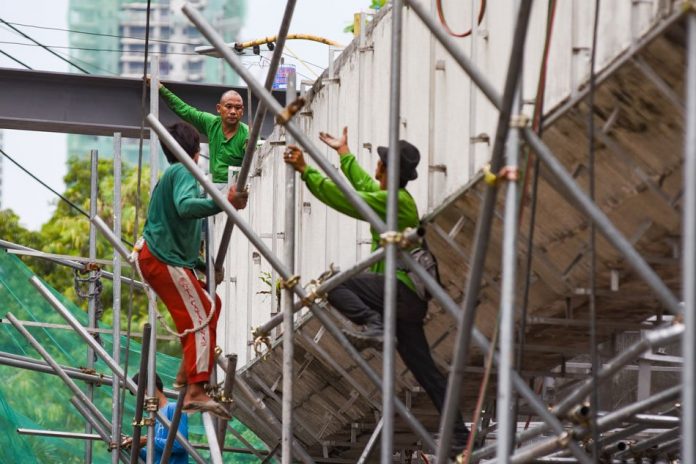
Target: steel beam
{"points": [[94, 105]]}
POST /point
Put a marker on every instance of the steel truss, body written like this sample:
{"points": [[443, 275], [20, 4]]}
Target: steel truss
{"points": [[566, 421]]}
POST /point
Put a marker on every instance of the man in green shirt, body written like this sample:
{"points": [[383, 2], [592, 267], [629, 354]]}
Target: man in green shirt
{"points": [[167, 261], [361, 298], [227, 134]]}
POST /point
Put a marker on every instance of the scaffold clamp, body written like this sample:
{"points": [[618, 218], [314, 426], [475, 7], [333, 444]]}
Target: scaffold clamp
{"points": [[290, 282], [289, 111], [151, 403]]}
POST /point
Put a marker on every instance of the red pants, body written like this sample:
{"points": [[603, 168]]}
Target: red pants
{"points": [[187, 302]]}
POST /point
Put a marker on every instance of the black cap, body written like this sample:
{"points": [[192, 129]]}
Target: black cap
{"points": [[409, 159], [158, 381]]}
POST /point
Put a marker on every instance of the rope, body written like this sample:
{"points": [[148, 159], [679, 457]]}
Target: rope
{"points": [[443, 21]]}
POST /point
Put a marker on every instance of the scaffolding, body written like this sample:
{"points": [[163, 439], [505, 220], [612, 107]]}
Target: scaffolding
{"points": [[576, 426]]}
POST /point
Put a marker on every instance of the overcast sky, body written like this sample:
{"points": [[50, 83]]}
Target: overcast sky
{"points": [[44, 154]]}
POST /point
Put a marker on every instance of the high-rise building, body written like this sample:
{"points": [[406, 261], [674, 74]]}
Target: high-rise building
{"points": [[109, 39]]}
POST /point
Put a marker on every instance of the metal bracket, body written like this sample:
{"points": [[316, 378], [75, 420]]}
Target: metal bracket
{"points": [[519, 121], [151, 403], [144, 422]]}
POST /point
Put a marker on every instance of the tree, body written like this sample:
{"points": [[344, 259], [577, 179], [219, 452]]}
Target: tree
{"points": [[67, 232]]}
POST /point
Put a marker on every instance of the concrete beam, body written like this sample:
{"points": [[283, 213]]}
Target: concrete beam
{"points": [[96, 105]]}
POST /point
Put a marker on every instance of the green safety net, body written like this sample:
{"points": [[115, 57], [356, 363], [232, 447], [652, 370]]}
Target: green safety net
{"points": [[36, 400]]}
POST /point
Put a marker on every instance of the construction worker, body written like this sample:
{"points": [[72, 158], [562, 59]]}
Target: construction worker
{"points": [[167, 260], [361, 298], [227, 134], [179, 454]]}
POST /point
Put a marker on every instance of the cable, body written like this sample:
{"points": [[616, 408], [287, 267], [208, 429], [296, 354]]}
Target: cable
{"points": [[43, 46], [100, 34], [443, 21], [594, 397], [73, 205], [87, 63], [16, 60], [89, 49]]}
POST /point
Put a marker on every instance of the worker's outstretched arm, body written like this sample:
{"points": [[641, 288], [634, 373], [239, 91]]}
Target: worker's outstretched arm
{"points": [[327, 192], [199, 119], [360, 179]]}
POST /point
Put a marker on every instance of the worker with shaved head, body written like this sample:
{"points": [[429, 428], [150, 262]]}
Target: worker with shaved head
{"points": [[227, 134]]}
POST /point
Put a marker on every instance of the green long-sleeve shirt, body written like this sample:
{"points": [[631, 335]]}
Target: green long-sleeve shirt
{"points": [[224, 152], [370, 191], [173, 226]]}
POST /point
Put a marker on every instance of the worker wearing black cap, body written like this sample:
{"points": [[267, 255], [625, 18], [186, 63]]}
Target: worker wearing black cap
{"points": [[361, 298]]}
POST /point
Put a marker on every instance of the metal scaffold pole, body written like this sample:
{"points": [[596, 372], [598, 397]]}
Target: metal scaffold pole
{"points": [[258, 122], [91, 292], [151, 310], [288, 313], [116, 306], [391, 248], [689, 247], [466, 317], [505, 409]]}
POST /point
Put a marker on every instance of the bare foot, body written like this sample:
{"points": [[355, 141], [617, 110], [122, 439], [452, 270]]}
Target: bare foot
{"points": [[195, 392]]}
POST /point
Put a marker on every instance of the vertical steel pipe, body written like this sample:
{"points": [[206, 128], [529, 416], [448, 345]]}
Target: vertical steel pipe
{"points": [[91, 298], [689, 247], [506, 405], [288, 313], [140, 393], [466, 317], [116, 305], [258, 122], [391, 248], [227, 388], [151, 310]]}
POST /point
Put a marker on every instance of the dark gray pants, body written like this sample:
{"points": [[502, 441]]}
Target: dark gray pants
{"points": [[361, 299]]}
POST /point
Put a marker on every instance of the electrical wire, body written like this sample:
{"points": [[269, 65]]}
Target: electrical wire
{"points": [[101, 34], [16, 60], [443, 21], [90, 49], [70, 203], [594, 396], [45, 47]]}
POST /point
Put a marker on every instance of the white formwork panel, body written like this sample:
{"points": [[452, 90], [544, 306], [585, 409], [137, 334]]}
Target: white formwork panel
{"points": [[438, 115]]}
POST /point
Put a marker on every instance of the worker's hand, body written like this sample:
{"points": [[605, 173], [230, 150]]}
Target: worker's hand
{"points": [[237, 199], [147, 81], [127, 442], [338, 144], [293, 156], [219, 275]]}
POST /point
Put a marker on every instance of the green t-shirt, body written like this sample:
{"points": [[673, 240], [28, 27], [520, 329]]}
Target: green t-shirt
{"points": [[369, 190], [223, 152], [173, 225]]}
